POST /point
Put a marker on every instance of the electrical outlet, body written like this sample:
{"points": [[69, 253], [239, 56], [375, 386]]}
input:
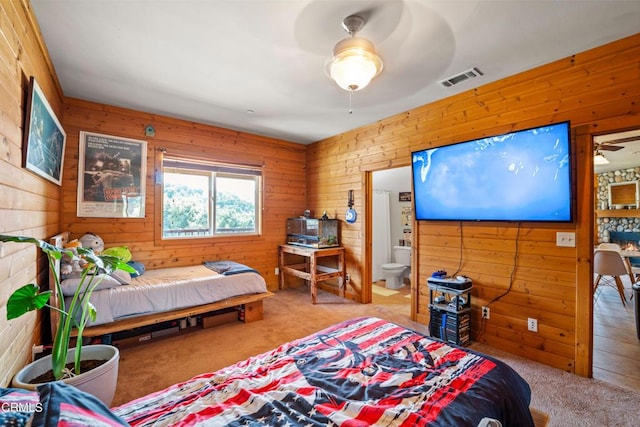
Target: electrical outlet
{"points": [[486, 312], [532, 324], [277, 271], [347, 277]]}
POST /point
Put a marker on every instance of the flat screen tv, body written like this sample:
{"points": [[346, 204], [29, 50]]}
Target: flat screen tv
{"points": [[518, 176]]}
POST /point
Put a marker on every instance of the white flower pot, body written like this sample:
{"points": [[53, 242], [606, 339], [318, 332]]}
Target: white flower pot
{"points": [[100, 382]]}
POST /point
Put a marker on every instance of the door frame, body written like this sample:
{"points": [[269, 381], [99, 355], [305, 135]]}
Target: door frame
{"points": [[367, 273], [584, 313]]}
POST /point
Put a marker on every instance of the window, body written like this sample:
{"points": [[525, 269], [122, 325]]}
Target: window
{"points": [[202, 199]]}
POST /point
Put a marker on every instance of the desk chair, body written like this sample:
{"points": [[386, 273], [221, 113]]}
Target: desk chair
{"points": [[609, 264], [634, 272], [610, 247]]}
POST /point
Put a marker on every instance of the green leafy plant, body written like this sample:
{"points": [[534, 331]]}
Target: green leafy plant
{"points": [[80, 310]]}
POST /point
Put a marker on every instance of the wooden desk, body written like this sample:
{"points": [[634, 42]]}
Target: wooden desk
{"points": [[311, 270]]}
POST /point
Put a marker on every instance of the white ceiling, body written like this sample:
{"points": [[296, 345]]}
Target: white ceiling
{"points": [[211, 61], [627, 157]]}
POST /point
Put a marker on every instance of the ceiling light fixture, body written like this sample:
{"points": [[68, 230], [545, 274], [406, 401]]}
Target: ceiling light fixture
{"points": [[599, 158], [355, 61]]}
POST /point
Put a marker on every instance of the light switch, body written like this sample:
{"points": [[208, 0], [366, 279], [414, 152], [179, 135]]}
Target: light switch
{"points": [[567, 239]]}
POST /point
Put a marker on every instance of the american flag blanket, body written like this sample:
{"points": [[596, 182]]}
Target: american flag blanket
{"points": [[364, 371]]}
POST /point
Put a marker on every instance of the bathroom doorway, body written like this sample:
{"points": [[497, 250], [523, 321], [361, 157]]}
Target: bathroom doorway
{"points": [[392, 222]]}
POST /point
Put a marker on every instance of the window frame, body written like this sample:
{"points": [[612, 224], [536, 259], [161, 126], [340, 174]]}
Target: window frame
{"points": [[203, 167], [257, 180]]}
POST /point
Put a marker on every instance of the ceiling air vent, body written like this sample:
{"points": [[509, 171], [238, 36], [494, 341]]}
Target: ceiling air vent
{"points": [[459, 78]]}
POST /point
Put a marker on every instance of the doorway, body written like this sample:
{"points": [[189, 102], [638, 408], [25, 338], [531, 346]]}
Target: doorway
{"points": [[616, 347], [391, 233]]}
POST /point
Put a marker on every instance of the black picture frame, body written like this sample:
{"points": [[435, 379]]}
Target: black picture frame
{"points": [[404, 196], [44, 138]]}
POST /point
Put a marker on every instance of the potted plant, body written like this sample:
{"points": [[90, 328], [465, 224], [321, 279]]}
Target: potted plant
{"points": [[76, 316]]}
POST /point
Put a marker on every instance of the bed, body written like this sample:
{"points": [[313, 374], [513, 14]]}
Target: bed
{"points": [[172, 293], [363, 371]]}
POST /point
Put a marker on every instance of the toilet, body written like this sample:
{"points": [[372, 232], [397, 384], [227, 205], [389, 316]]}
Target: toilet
{"points": [[394, 272]]}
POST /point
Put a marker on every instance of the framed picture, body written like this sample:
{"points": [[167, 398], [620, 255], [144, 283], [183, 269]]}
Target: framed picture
{"points": [[44, 137], [405, 196], [111, 176]]}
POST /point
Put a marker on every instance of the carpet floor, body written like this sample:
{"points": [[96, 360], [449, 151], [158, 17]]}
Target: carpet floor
{"points": [[569, 400]]}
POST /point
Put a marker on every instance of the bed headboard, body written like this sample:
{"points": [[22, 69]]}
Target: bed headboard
{"points": [[59, 240]]}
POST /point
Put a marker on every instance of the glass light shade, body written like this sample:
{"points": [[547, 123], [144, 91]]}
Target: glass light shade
{"points": [[599, 159], [354, 63]]}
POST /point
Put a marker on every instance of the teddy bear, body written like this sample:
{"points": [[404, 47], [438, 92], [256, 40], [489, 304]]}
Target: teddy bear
{"points": [[92, 241], [71, 265]]}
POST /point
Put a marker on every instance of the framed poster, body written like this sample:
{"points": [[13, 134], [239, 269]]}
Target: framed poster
{"points": [[111, 176], [44, 138], [404, 196]]}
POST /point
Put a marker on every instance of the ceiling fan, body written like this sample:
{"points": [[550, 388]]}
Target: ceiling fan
{"points": [[608, 146], [602, 143], [598, 147]]}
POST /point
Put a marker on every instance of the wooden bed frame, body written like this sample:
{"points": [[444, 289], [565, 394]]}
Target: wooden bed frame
{"points": [[252, 304]]}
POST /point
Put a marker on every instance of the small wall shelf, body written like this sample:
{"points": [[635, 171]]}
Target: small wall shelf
{"points": [[618, 213]]}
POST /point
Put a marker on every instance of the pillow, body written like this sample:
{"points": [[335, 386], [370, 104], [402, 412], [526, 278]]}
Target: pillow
{"points": [[138, 267], [123, 277], [63, 404], [69, 286]]}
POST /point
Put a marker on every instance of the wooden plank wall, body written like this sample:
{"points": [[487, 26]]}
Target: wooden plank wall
{"points": [[597, 90], [29, 205], [284, 183]]}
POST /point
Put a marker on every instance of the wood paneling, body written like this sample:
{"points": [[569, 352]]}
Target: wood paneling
{"points": [[284, 180], [597, 90], [519, 263], [30, 204], [36, 207]]}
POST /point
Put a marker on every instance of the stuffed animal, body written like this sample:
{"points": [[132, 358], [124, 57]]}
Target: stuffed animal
{"points": [[138, 267], [92, 241], [71, 265], [121, 252]]}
